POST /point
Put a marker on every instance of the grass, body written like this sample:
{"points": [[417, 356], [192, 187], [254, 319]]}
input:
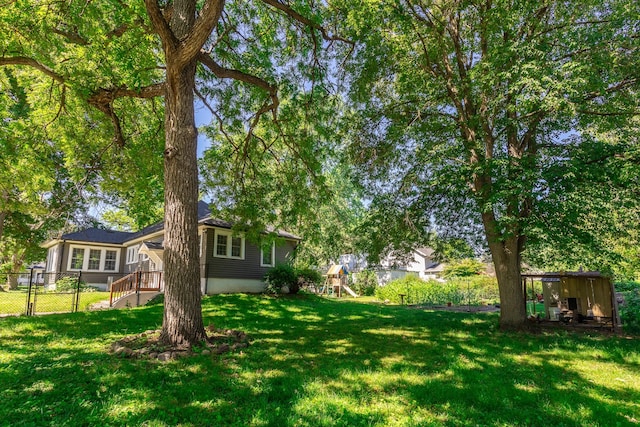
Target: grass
{"points": [[14, 302], [317, 362]]}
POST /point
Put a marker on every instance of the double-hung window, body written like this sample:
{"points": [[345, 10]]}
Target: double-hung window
{"points": [[267, 256], [77, 259], [228, 246], [93, 259], [110, 260]]}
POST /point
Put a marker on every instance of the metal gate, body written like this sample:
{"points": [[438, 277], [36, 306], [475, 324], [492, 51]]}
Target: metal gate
{"points": [[40, 293]]}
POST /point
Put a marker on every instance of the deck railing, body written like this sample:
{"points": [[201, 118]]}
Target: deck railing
{"points": [[139, 281]]}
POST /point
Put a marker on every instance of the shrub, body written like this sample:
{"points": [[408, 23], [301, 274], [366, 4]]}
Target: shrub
{"points": [[70, 284], [365, 282], [308, 277], [476, 290], [630, 311], [626, 286], [279, 276]]}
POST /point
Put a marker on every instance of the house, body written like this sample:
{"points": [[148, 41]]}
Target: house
{"points": [[419, 262], [228, 263]]}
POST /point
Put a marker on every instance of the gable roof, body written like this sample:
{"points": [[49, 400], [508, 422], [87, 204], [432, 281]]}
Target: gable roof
{"points": [[99, 235]]}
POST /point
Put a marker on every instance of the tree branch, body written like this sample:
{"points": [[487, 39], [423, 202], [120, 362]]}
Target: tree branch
{"points": [[160, 25], [23, 60], [102, 99], [72, 36], [191, 46], [306, 21], [227, 73]]}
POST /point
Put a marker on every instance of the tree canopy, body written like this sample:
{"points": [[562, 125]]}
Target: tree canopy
{"points": [[95, 70], [474, 114]]}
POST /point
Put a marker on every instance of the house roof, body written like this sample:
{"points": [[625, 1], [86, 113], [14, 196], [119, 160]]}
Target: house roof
{"points": [[99, 235], [154, 246], [435, 267], [425, 252]]}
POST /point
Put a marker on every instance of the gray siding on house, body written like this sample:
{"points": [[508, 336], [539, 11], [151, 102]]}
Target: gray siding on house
{"points": [[90, 277], [247, 268]]}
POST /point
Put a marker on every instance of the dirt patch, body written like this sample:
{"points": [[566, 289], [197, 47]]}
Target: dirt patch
{"points": [[460, 308], [147, 345]]}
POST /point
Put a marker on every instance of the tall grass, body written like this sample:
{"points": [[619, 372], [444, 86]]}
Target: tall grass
{"points": [[464, 290], [317, 362]]}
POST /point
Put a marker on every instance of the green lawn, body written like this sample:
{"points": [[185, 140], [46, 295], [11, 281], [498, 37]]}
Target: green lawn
{"points": [[14, 302], [317, 362]]}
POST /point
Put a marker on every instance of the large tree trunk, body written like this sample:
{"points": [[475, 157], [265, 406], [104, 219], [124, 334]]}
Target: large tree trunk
{"points": [[182, 323], [506, 259], [17, 260]]}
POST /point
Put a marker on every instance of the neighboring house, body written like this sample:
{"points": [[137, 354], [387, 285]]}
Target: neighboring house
{"points": [[33, 274], [228, 263], [419, 263]]}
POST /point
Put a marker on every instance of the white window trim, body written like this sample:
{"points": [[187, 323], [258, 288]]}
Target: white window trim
{"points": [[230, 236], [85, 258], [52, 259], [132, 254], [273, 256]]}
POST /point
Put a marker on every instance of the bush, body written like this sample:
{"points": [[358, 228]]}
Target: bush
{"points": [[365, 282], [476, 290], [626, 286], [70, 284], [308, 277], [279, 276], [630, 311]]}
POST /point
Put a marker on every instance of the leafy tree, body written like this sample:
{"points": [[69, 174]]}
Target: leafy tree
{"points": [[37, 193], [463, 268], [467, 114], [95, 68]]}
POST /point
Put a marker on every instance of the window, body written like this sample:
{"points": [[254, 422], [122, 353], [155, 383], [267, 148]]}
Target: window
{"points": [[110, 260], [94, 259], [132, 254], [52, 258], [236, 247], [228, 246], [221, 245], [77, 258], [267, 256]]}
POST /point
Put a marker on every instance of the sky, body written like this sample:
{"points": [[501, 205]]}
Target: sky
{"points": [[203, 117]]}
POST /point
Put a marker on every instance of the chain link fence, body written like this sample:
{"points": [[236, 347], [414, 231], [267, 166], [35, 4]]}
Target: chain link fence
{"points": [[34, 292]]}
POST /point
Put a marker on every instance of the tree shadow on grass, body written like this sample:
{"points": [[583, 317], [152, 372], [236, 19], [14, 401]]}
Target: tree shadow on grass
{"points": [[313, 362]]}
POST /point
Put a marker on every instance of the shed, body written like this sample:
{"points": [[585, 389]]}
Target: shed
{"points": [[578, 297]]}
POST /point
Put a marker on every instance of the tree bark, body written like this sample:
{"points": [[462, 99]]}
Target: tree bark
{"points": [[506, 259], [182, 323]]}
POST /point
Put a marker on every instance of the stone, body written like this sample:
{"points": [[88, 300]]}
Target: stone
{"points": [[164, 357], [222, 348], [206, 352]]}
